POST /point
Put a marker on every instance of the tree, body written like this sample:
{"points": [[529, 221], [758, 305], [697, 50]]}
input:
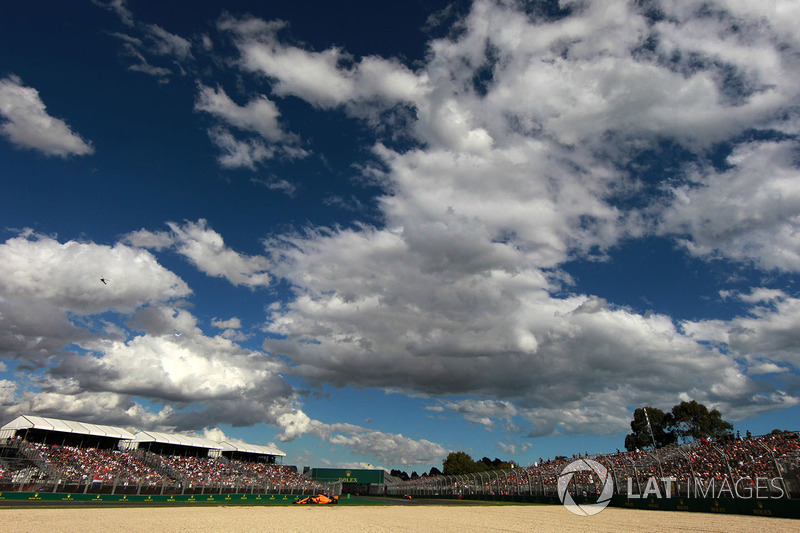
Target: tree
{"points": [[641, 438], [462, 463], [692, 420], [398, 473], [458, 463], [434, 472], [686, 421]]}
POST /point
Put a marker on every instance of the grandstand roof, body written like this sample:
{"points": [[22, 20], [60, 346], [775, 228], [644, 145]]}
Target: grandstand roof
{"points": [[67, 426], [244, 447], [176, 439]]}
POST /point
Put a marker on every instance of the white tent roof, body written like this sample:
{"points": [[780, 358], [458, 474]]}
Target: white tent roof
{"points": [[176, 439], [228, 446], [67, 426]]}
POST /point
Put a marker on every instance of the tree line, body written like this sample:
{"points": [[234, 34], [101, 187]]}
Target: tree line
{"points": [[457, 463], [685, 422]]}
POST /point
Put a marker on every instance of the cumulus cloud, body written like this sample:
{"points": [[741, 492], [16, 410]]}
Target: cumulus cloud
{"points": [[525, 136], [52, 302], [326, 79], [526, 127], [67, 275], [206, 249], [239, 153], [483, 412], [231, 323], [27, 124], [766, 337], [45, 283], [231, 328], [260, 116], [748, 212], [389, 448]]}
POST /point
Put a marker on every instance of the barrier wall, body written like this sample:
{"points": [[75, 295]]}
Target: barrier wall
{"points": [[778, 508], [163, 499]]}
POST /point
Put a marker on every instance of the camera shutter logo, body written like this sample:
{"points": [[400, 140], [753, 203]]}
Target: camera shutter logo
{"points": [[583, 465]]}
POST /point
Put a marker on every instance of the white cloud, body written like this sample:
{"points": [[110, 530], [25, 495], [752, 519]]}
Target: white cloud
{"points": [[49, 290], [768, 335], [148, 42], [231, 323], [67, 275], [483, 412], [581, 80], [525, 130], [143, 238], [145, 67], [259, 115], [514, 449], [392, 448], [166, 358], [756, 295], [28, 125], [766, 368], [165, 43], [325, 79], [119, 7], [231, 329], [206, 250], [189, 367], [239, 153], [389, 448], [523, 133], [402, 320], [749, 212], [94, 370]]}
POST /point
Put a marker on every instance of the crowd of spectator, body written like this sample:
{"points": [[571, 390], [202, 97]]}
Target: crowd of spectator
{"points": [[72, 465], [199, 471], [731, 459], [79, 465]]}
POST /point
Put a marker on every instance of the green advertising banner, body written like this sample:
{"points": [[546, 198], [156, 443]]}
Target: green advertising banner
{"points": [[346, 475], [227, 499]]}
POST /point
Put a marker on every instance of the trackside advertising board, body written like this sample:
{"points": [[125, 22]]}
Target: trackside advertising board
{"points": [[227, 499], [324, 475]]}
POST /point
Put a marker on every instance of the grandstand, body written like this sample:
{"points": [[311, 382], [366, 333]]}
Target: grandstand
{"points": [[774, 456], [53, 455]]}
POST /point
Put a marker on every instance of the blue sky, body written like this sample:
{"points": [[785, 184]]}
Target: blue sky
{"points": [[373, 234]]}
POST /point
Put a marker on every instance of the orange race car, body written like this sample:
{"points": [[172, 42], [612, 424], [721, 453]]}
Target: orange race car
{"points": [[321, 499]]}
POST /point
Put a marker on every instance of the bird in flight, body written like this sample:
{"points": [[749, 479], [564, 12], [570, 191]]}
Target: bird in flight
{"points": [[104, 281]]}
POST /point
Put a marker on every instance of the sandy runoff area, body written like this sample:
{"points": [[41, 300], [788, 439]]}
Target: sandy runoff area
{"points": [[340, 519]]}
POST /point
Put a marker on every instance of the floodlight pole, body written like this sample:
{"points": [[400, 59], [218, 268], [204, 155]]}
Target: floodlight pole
{"points": [[655, 448]]}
